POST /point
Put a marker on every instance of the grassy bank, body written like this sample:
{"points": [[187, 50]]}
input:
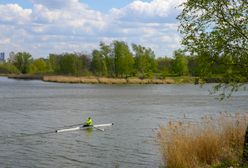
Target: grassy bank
{"points": [[107, 80], [4, 75], [216, 143], [25, 76], [104, 80]]}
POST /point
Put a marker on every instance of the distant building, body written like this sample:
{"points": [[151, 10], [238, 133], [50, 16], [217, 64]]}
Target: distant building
{"points": [[11, 57], [2, 57]]}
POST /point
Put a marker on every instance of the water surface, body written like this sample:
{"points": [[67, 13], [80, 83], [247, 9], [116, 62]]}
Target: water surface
{"points": [[31, 107]]}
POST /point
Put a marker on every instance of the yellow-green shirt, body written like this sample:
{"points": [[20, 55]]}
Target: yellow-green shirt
{"points": [[89, 122]]}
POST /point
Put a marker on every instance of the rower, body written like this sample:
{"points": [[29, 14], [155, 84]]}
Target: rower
{"points": [[88, 123]]}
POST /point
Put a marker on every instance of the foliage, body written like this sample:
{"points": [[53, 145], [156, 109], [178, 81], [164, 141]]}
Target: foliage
{"points": [[193, 66], [39, 66], [98, 64], [165, 66], [216, 33], [54, 65], [117, 60], [22, 61], [144, 60], [8, 68], [180, 65], [107, 52], [75, 64], [123, 59]]}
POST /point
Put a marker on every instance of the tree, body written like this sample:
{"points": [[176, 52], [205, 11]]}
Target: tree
{"points": [[123, 59], [165, 66], [53, 61], [67, 63], [83, 64], [22, 61], [70, 64], [107, 52], [8, 68], [98, 64], [193, 66], [216, 32], [39, 66], [180, 64], [144, 59]]}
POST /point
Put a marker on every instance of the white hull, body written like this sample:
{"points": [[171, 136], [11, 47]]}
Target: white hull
{"points": [[80, 127]]}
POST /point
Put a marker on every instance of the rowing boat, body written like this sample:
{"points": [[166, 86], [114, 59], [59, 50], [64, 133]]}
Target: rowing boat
{"points": [[81, 127]]}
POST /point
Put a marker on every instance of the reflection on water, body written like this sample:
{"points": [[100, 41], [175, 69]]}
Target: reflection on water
{"points": [[32, 110], [89, 132]]}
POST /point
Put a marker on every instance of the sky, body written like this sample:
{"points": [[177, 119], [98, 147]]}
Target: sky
{"points": [[41, 27]]}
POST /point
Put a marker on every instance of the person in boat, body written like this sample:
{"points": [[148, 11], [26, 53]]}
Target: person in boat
{"points": [[88, 123]]}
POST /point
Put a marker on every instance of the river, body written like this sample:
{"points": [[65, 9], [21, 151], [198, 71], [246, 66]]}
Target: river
{"points": [[31, 109]]}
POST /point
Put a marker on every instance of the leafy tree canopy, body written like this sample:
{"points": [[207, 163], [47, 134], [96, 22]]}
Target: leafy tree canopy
{"points": [[22, 61], [123, 59], [144, 59], [180, 65], [216, 32]]}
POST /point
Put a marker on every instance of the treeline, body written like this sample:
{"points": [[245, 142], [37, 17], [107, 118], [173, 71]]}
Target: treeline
{"points": [[110, 60]]}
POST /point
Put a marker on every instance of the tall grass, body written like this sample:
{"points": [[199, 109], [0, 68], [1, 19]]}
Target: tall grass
{"points": [[208, 143], [104, 80]]}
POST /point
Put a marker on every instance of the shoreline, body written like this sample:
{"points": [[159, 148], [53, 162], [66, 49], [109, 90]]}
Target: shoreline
{"points": [[25, 77], [107, 80], [91, 79]]}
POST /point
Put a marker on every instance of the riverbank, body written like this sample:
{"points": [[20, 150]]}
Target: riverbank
{"points": [[102, 80], [107, 80], [25, 77]]}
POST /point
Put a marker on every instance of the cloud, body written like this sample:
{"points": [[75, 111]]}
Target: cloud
{"points": [[78, 17], [13, 13], [56, 4], [138, 9], [5, 41], [158, 36], [54, 26]]}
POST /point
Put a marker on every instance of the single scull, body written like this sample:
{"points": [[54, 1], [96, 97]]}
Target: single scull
{"points": [[81, 127]]}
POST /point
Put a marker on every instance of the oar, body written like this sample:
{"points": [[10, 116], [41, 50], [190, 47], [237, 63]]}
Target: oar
{"points": [[98, 128], [74, 125]]}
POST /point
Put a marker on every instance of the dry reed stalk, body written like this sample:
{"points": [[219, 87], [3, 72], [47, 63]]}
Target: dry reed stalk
{"points": [[157, 81], [62, 79], [92, 80], [112, 80], [134, 81], [169, 81], [210, 142], [138, 81], [104, 80]]}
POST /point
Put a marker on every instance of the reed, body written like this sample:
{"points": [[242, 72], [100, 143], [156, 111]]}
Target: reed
{"points": [[134, 80], [89, 80], [208, 143], [62, 79], [112, 80], [104, 80]]}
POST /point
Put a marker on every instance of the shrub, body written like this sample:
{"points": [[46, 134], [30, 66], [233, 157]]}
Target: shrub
{"points": [[7, 68]]}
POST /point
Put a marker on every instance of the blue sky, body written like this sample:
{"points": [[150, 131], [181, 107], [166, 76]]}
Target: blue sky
{"points": [[102, 5], [55, 26], [105, 5]]}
